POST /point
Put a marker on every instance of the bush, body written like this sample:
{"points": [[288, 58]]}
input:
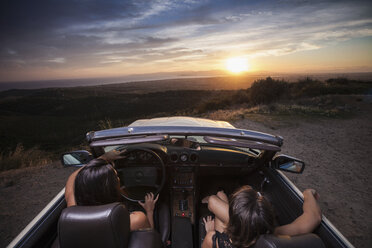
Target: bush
{"points": [[267, 90], [105, 124], [242, 96], [307, 87], [214, 104], [339, 81]]}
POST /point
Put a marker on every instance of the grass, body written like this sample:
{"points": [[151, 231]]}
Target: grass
{"points": [[272, 109], [21, 158]]}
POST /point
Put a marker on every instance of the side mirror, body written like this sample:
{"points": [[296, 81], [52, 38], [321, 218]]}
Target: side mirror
{"points": [[287, 163], [76, 158]]}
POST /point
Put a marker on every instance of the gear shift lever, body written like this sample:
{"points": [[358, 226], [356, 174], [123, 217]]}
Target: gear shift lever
{"points": [[183, 204]]}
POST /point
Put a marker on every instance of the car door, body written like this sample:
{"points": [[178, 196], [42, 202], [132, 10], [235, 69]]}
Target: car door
{"points": [[287, 201]]}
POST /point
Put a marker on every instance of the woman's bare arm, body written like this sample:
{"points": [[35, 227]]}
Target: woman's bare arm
{"points": [[210, 231], [308, 221], [138, 221], [69, 189], [219, 207], [149, 207]]}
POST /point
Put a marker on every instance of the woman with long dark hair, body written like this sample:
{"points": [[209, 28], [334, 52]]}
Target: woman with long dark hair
{"points": [[97, 183], [240, 220]]}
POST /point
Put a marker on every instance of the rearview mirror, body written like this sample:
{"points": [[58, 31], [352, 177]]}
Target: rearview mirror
{"points": [[76, 158], [287, 163]]}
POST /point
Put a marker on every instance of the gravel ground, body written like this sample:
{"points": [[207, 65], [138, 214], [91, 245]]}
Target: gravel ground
{"points": [[24, 193]]}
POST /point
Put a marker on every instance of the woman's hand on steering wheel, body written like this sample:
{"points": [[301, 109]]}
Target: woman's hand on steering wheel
{"points": [[149, 203], [113, 155]]}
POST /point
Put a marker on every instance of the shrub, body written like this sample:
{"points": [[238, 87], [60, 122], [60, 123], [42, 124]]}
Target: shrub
{"points": [[307, 87], [267, 90], [214, 104], [242, 96], [105, 124], [339, 81]]}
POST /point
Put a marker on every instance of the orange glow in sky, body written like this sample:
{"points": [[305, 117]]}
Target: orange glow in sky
{"points": [[121, 38]]}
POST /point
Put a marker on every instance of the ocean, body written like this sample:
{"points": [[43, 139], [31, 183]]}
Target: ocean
{"points": [[63, 83], [103, 81]]}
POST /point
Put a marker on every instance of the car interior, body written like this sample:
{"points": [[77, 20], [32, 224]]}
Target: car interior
{"points": [[182, 170]]}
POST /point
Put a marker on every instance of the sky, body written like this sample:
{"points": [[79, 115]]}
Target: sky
{"points": [[60, 39]]}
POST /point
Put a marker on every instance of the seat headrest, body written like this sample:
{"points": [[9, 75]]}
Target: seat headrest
{"points": [[307, 240], [94, 226], [145, 238]]}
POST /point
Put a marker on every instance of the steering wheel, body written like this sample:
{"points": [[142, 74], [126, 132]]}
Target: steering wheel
{"points": [[136, 181]]}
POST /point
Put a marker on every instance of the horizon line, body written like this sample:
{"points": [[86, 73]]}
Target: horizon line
{"points": [[172, 75]]}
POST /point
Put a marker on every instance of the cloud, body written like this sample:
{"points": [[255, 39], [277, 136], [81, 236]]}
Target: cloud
{"points": [[57, 60], [86, 34]]}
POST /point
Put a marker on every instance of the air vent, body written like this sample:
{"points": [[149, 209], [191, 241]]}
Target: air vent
{"points": [[174, 157], [193, 157]]}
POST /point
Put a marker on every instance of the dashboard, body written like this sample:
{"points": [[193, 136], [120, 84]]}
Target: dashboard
{"points": [[177, 164], [201, 155]]}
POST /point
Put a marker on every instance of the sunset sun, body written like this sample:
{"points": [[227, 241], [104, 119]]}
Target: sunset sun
{"points": [[237, 65]]}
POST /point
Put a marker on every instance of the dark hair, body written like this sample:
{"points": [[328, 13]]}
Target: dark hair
{"points": [[97, 184], [250, 215]]}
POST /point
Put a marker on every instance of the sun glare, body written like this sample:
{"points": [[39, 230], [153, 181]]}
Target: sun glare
{"points": [[237, 65]]}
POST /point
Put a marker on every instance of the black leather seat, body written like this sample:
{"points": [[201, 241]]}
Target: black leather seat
{"points": [[309, 240], [102, 226], [162, 221]]}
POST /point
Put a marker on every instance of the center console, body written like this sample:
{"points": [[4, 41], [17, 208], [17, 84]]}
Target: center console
{"points": [[183, 206], [183, 193]]}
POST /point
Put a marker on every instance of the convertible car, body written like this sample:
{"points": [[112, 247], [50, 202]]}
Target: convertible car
{"points": [[182, 159]]}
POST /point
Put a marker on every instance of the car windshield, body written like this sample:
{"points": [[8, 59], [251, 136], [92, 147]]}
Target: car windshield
{"points": [[193, 142]]}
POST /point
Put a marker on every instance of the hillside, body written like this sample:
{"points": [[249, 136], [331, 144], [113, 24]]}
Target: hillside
{"points": [[43, 123]]}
